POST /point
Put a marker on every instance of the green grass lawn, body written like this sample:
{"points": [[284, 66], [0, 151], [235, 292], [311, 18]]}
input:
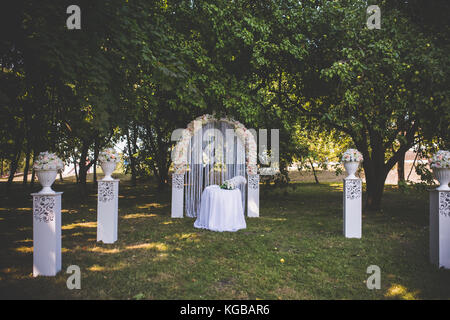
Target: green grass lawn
{"points": [[295, 250]]}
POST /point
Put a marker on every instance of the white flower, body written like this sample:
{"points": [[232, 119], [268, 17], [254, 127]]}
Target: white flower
{"points": [[108, 155], [440, 159], [352, 155], [181, 149], [48, 161]]}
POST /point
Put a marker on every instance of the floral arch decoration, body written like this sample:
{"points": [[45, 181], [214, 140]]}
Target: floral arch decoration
{"points": [[180, 163], [245, 135]]}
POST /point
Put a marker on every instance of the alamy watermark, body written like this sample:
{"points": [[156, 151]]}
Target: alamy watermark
{"points": [[374, 20], [374, 281], [74, 20], [74, 281]]}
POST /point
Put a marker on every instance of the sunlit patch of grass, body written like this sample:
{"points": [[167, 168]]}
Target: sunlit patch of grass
{"points": [[68, 211], [185, 236], [91, 224], [96, 268], [24, 240], [77, 234], [104, 250], [24, 249], [276, 219], [401, 292], [159, 246], [139, 215]]}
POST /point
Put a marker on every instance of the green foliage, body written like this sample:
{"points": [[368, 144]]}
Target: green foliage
{"points": [[140, 69]]}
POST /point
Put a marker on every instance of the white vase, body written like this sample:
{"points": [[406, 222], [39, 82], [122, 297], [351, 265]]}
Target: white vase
{"points": [[46, 179], [108, 168], [351, 168], [443, 176]]}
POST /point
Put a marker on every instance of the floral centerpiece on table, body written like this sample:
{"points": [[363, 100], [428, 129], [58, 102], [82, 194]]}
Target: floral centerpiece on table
{"points": [[47, 165], [440, 164], [233, 183], [228, 185], [108, 160], [352, 155]]}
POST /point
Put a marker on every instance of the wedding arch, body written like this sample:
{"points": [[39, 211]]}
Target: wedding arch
{"points": [[210, 151]]}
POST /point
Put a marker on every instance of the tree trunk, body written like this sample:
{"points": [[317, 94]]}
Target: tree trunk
{"points": [[162, 180], [375, 171], [161, 170], [131, 151], [401, 170], [96, 150], [75, 169], [375, 189], [314, 171], [95, 173], [83, 168], [14, 164], [33, 178], [27, 164], [413, 164], [12, 171], [33, 173]]}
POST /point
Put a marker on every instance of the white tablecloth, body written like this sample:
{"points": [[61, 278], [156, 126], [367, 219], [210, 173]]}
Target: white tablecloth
{"points": [[221, 210]]}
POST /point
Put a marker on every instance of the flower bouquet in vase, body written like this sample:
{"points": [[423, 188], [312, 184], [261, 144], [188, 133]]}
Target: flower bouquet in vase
{"points": [[440, 164], [47, 165], [108, 159], [351, 159]]}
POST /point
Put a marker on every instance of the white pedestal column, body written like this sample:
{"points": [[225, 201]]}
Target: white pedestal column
{"points": [[46, 234], [107, 210], [253, 195], [440, 228], [177, 195], [352, 208]]}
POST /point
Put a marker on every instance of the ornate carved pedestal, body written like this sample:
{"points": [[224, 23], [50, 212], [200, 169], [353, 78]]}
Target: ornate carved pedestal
{"points": [[440, 228], [46, 234], [253, 195], [177, 195], [107, 210], [352, 208]]}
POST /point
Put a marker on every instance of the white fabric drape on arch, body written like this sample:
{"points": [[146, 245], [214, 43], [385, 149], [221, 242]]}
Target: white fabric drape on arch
{"points": [[215, 161]]}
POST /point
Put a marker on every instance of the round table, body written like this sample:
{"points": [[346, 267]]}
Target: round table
{"points": [[221, 210]]}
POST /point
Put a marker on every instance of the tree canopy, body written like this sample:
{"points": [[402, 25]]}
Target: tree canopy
{"points": [[137, 70]]}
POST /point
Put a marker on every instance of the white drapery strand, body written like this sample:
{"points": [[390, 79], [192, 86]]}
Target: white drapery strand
{"points": [[215, 154]]}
